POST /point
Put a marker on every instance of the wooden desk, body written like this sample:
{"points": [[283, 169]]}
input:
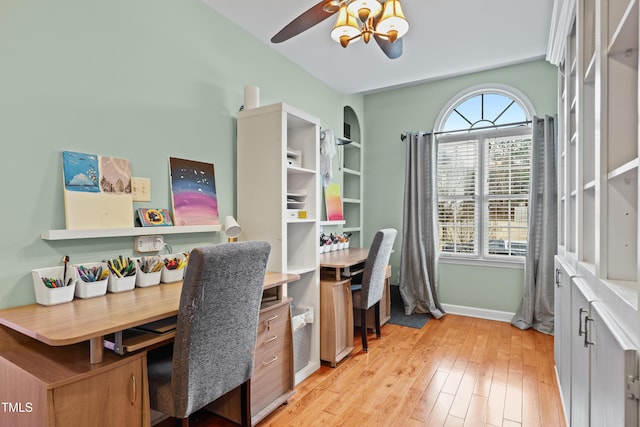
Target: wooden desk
{"points": [[91, 319], [52, 379], [336, 307]]}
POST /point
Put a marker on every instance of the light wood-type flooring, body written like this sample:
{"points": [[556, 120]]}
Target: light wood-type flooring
{"points": [[456, 371]]}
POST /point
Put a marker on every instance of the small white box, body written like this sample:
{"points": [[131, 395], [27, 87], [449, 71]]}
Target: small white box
{"points": [[92, 289], [52, 296], [294, 157]]}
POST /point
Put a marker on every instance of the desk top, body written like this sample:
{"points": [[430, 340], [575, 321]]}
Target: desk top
{"points": [[344, 258], [84, 319]]}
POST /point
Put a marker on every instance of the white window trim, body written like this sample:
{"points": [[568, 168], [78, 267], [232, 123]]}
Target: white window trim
{"points": [[470, 92], [482, 224], [481, 258]]}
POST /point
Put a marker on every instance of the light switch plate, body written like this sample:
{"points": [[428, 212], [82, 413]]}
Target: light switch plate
{"points": [[149, 243], [141, 189]]}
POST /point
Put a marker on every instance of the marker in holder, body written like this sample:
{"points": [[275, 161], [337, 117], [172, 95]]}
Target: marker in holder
{"points": [[174, 266], [92, 279], [50, 287], [122, 274]]}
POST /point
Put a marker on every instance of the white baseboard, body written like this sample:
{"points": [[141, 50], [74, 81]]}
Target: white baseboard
{"points": [[480, 313]]}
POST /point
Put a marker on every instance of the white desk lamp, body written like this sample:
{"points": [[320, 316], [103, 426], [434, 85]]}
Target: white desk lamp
{"points": [[231, 228]]}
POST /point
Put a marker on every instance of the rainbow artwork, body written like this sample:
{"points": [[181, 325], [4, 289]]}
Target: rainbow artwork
{"points": [[334, 202]]}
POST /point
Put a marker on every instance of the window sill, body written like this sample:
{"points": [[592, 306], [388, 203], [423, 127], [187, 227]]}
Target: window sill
{"points": [[483, 262]]}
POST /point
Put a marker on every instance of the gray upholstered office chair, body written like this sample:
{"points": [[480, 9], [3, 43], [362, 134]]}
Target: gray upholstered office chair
{"points": [[213, 350], [368, 292]]}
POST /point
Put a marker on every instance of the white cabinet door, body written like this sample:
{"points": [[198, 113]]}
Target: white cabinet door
{"points": [[562, 332], [613, 360], [581, 298]]}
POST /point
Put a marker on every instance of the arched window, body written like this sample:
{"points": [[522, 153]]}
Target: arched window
{"points": [[483, 172]]}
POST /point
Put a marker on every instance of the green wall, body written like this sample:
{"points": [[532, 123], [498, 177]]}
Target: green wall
{"points": [[151, 79], [142, 80], [389, 114]]}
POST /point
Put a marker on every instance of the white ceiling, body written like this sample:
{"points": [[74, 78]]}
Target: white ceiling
{"points": [[445, 38]]}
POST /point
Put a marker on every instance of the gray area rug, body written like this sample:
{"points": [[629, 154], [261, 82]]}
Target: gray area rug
{"points": [[415, 320]]}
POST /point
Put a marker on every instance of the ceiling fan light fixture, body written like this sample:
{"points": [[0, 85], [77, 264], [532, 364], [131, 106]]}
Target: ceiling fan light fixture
{"points": [[346, 29], [393, 23], [331, 6], [365, 9]]}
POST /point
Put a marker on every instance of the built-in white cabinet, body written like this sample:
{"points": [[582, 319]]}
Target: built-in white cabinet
{"points": [[278, 194], [562, 330], [595, 46], [596, 362], [604, 365]]}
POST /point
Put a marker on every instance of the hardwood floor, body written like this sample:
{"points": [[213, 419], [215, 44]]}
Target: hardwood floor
{"points": [[456, 371]]}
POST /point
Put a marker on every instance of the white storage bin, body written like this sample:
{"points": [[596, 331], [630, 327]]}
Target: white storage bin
{"points": [[175, 275], [53, 296], [149, 277], [301, 324], [95, 288], [121, 284]]}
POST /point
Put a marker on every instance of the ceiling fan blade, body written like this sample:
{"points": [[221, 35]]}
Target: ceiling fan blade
{"points": [[308, 19], [392, 50]]}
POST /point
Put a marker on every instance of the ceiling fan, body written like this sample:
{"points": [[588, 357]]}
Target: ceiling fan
{"points": [[357, 19]]}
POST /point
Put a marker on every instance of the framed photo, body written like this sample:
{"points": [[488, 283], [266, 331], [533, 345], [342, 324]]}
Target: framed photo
{"points": [[150, 217]]}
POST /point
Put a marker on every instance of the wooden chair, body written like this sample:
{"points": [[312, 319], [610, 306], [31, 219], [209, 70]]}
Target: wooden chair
{"points": [[368, 292], [217, 322]]}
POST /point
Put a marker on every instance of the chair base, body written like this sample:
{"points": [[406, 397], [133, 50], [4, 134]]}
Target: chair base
{"points": [[363, 325], [245, 407]]}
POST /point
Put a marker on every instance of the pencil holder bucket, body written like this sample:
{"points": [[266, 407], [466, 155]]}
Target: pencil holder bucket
{"points": [[122, 275], [149, 271], [174, 266], [46, 295], [92, 281]]}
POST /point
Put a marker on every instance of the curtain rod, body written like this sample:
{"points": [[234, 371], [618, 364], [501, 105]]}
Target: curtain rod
{"points": [[525, 122]]}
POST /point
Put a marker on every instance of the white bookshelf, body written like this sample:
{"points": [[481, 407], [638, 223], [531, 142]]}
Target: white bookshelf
{"points": [[277, 163]]}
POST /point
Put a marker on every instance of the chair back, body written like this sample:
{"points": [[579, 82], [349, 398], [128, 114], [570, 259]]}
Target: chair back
{"points": [[375, 267], [217, 322]]}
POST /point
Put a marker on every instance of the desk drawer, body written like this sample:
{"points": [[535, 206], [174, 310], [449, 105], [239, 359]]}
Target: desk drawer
{"points": [[273, 370], [272, 321]]}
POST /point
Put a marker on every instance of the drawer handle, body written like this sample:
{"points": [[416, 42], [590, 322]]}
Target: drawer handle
{"points": [[273, 338], [581, 311], [271, 320], [271, 361], [133, 389]]}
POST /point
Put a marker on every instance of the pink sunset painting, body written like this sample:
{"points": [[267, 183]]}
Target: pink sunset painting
{"points": [[193, 191]]}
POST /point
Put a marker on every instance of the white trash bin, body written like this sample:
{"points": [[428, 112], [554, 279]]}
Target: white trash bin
{"points": [[301, 324]]}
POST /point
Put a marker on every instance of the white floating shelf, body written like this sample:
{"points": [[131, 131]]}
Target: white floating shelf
{"points": [[124, 232], [342, 222]]}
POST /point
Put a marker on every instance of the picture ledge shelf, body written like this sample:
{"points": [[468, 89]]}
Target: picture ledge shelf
{"points": [[124, 232]]}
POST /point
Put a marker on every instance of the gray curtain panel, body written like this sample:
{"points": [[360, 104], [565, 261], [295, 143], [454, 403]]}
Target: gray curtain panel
{"points": [[536, 308], [419, 256]]}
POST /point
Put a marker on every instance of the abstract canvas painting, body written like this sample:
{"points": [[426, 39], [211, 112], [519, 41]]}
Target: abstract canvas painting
{"points": [[334, 202], [193, 191]]}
